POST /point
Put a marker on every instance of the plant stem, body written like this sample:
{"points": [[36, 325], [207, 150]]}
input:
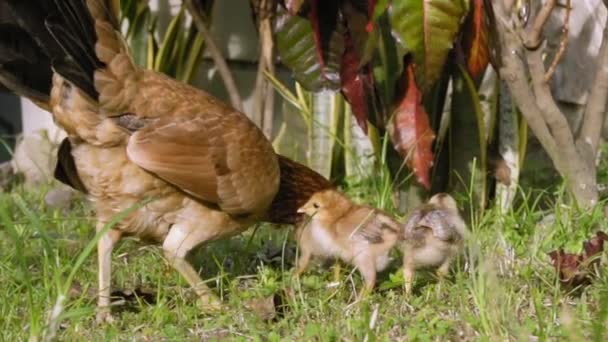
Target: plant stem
{"points": [[216, 54]]}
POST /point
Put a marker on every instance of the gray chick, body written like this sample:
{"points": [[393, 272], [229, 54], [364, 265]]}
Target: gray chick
{"points": [[432, 237]]}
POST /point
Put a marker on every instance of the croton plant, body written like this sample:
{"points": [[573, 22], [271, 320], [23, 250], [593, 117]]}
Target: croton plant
{"points": [[390, 59]]}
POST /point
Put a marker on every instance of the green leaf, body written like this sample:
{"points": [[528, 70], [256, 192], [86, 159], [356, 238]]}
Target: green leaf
{"points": [[170, 45], [138, 36], [428, 30], [128, 9], [189, 64], [152, 46], [296, 46], [390, 66], [297, 101], [327, 109]]}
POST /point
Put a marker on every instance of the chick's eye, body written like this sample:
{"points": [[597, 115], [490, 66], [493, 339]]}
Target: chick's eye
{"points": [[315, 205]]}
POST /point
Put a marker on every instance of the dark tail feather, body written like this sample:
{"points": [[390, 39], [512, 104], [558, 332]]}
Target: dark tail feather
{"points": [[24, 67], [63, 36], [73, 28], [65, 170]]}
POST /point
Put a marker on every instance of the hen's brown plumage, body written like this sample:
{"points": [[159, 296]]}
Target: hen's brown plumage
{"points": [[135, 134]]}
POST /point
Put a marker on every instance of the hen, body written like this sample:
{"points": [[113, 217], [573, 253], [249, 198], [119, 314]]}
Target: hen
{"points": [[356, 234], [432, 236], [134, 134]]}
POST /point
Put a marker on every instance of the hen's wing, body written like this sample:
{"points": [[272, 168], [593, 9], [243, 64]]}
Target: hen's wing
{"points": [[219, 158]]}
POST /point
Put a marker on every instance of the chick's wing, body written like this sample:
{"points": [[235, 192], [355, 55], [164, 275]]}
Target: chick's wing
{"points": [[370, 224], [429, 219]]}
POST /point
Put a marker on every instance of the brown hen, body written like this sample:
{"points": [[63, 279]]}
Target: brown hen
{"points": [[134, 134]]}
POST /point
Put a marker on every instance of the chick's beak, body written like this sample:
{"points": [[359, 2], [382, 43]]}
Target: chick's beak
{"points": [[301, 210]]}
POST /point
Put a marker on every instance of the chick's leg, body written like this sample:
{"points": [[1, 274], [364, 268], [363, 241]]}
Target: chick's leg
{"points": [[408, 275], [182, 238], [367, 268], [303, 261], [104, 254], [444, 268], [337, 270]]}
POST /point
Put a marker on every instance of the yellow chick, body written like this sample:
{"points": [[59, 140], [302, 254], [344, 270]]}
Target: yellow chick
{"points": [[356, 234], [432, 237]]}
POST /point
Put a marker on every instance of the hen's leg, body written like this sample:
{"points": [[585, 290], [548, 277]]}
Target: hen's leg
{"points": [[182, 238], [104, 254]]}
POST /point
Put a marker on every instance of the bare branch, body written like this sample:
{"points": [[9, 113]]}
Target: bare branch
{"points": [[513, 72], [563, 43], [550, 127], [263, 108], [216, 54], [596, 103], [508, 5], [532, 38]]}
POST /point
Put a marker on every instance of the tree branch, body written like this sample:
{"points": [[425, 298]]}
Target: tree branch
{"points": [[594, 115], [263, 108], [562, 43], [216, 54], [575, 162], [532, 38], [513, 72]]}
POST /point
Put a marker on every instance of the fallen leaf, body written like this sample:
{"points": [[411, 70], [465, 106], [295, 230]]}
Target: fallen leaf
{"points": [[593, 247], [262, 307], [577, 269], [567, 265]]}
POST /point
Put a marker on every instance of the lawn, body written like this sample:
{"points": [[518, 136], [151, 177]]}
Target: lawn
{"points": [[503, 288]]}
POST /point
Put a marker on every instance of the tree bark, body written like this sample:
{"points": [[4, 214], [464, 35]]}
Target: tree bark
{"points": [[538, 106]]}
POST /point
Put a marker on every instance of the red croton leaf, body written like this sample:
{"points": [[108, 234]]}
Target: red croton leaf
{"points": [[354, 81], [475, 40], [411, 132], [371, 7], [324, 17], [577, 269]]}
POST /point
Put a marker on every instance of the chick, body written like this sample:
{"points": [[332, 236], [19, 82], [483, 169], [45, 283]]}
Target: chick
{"points": [[432, 237], [356, 234]]}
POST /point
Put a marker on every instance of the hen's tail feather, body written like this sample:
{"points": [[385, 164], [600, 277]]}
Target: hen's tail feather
{"points": [[298, 183], [73, 28], [23, 67], [65, 36]]}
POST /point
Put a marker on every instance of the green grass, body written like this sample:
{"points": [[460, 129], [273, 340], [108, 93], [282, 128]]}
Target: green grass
{"points": [[503, 289]]}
